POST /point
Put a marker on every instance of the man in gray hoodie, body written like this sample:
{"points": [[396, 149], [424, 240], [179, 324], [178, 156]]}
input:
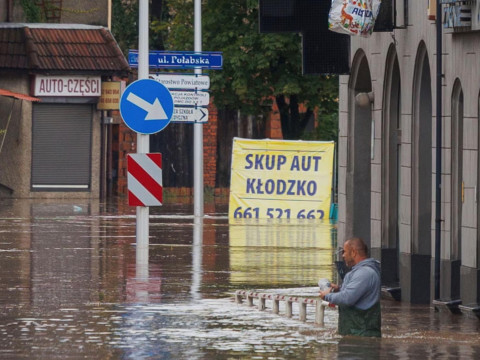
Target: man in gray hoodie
{"points": [[358, 298]]}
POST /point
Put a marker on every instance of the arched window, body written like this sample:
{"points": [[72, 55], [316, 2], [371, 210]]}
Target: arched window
{"points": [[422, 155], [391, 145], [359, 142], [457, 169]]}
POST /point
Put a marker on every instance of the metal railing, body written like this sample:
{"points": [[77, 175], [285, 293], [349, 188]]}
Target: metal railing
{"points": [[319, 304]]}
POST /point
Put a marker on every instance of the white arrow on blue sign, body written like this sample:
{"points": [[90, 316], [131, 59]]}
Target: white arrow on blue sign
{"points": [[146, 106]]}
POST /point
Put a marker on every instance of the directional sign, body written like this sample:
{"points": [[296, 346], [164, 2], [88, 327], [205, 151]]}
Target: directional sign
{"points": [[190, 115], [190, 98], [146, 106], [183, 81], [179, 59]]}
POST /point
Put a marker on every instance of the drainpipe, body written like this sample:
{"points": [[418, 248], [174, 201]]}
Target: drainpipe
{"points": [[438, 177]]}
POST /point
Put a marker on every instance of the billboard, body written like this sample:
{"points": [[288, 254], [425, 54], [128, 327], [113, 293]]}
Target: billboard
{"points": [[281, 179]]}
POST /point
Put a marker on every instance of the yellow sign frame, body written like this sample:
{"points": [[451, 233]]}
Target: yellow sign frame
{"points": [[281, 179]]}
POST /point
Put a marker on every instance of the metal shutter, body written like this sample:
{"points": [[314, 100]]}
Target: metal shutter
{"points": [[61, 148]]}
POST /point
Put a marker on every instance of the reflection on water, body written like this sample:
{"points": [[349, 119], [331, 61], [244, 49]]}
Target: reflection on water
{"points": [[273, 253], [70, 288]]}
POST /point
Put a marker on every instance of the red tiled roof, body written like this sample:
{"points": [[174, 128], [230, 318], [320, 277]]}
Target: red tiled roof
{"points": [[46, 47]]}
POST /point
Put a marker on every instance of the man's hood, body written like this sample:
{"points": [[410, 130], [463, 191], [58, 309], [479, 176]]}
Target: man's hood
{"points": [[372, 263]]}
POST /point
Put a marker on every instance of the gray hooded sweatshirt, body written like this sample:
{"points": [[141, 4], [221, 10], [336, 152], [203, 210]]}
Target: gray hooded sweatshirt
{"points": [[361, 286]]}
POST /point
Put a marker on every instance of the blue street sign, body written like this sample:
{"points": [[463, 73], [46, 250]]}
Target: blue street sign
{"points": [[146, 106], [212, 60]]}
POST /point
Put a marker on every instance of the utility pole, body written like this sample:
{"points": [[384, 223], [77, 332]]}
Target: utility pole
{"points": [[198, 127], [143, 145]]}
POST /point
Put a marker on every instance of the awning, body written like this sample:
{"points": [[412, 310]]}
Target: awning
{"points": [[15, 95]]}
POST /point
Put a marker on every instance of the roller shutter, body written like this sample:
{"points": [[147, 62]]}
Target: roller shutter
{"points": [[61, 147]]}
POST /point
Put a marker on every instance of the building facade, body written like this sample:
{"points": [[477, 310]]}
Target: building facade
{"points": [[55, 146], [388, 150]]}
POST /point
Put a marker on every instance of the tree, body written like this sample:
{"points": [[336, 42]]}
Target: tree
{"points": [[258, 68], [125, 24]]}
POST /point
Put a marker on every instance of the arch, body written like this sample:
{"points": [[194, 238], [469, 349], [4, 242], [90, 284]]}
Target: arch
{"points": [[358, 181], [391, 145], [417, 281], [457, 169], [450, 287], [422, 155]]}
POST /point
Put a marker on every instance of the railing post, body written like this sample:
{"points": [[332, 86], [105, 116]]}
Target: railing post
{"points": [[303, 311], [276, 306], [250, 299], [238, 297], [288, 304], [261, 303], [319, 313]]}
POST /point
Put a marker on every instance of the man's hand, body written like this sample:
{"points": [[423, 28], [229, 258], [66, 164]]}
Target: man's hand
{"points": [[325, 292], [332, 288]]}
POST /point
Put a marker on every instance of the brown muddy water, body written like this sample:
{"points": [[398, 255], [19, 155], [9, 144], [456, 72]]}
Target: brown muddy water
{"points": [[69, 289]]}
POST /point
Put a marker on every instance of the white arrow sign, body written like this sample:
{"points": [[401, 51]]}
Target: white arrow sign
{"points": [[182, 98], [183, 81], [154, 111], [189, 115]]}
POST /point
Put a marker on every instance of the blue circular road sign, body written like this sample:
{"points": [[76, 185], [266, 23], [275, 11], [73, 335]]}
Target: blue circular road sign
{"points": [[146, 106]]}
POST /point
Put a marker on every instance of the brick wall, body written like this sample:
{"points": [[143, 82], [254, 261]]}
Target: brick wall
{"points": [[127, 144], [210, 147]]}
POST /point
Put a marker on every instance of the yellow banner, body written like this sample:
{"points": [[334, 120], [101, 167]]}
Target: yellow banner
{"points": [[281, 179]]}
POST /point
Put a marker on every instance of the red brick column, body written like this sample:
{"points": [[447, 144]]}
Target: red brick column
{"points": [[273, 128], [127, 144], [210, 147]]}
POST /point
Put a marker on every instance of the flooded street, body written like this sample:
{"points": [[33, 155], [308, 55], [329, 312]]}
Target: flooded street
{"points": [[70, 289]]}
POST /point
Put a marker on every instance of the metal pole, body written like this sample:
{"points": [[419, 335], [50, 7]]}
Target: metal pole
{"points": [[197, 254], [438, 175], [198, 127], [143, 144]]}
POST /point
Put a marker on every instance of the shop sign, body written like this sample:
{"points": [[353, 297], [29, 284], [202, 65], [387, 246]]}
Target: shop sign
{"points": [[110, 98], [65, 85]]}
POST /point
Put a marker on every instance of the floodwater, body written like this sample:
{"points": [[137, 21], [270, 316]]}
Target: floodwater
{"points": [[71, 288]]}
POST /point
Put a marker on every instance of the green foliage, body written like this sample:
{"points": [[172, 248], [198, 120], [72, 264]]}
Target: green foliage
{"points": [[176, 25], [326, 130], [33, 12], [258, 68], [125, 24]]}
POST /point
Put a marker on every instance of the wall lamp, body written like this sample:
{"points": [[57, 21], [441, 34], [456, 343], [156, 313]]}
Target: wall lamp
{"points": [[364, 99]]}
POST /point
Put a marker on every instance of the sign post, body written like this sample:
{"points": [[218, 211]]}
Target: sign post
{"points": [[198, 126], [143, 146], [146, 107]]}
